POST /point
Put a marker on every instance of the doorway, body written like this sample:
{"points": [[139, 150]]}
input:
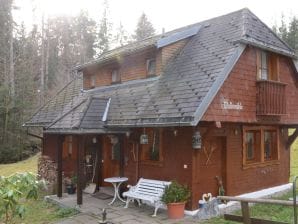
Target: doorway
{"points": [[212, 164]]}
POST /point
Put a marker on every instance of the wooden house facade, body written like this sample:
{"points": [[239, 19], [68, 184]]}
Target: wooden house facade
{"points": [[213, 100]]}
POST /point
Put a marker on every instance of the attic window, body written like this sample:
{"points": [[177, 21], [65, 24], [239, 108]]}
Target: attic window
{"points": [[151, 67], [92, 81], [116, 76], [267, 64]]}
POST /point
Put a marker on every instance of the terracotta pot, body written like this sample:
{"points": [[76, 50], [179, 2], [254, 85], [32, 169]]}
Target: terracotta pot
{"points": [[176, 210]]}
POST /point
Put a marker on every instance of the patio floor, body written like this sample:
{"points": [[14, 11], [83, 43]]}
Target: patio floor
{"points": [[91, 212]]}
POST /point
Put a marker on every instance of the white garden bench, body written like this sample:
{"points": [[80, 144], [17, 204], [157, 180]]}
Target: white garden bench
{"points": [[147, 190]]}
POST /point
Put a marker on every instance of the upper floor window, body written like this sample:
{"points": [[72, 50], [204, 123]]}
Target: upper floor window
{"points": [[92, 81], [151, 67], [267, 66], [116, 78], [260, 145]]}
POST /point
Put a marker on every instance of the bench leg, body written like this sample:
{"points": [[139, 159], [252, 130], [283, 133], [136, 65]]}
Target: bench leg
{"points": [[157, 205], [127, 202]]}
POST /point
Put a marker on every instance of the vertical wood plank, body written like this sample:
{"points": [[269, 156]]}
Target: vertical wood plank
{"points": [[59, 165], [245, 212], [80, 168]]}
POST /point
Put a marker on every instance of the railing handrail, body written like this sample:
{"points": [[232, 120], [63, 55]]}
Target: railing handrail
{"points": [[257, 200], [271, 81]]}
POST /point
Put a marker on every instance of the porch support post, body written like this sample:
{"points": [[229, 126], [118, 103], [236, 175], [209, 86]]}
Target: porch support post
{"points": [[99, 147], [80, 155], [121, 139], [59, 165]]}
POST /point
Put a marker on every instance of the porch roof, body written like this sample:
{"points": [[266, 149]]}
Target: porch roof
{"points": [[180, 95]]}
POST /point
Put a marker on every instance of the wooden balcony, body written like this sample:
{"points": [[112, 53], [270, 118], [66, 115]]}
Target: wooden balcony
{"points": [[271, 98]]}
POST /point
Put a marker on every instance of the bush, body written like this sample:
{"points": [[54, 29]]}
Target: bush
{"points": [[175, 192], [14, 190]]}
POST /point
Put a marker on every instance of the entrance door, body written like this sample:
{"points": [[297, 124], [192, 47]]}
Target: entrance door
{"points": [[212, 164], [111, 157]]}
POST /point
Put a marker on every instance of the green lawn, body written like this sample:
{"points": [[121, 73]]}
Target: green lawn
{"points": [[28, 165]]}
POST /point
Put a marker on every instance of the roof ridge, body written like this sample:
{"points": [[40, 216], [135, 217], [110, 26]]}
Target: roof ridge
{"points": [[90, 98], [66, 113]]}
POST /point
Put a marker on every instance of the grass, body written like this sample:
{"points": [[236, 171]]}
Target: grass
{"points": [[41, 212], [28, 165]]}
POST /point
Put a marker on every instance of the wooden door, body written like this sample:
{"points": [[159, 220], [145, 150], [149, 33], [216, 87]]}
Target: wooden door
{"points": [[110, 158], [212, 164]]}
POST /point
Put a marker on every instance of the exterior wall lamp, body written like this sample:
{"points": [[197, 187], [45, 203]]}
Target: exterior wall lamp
{"points": [[144, 138], [197, 140]]}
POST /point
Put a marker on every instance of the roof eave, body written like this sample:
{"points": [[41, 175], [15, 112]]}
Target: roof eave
{"points": [[268, 47]]}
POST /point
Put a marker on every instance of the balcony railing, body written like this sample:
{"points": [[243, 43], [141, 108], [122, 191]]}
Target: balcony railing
{"points": [[271, 97]]}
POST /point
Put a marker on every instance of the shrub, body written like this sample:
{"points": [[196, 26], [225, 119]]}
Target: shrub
{"points": [[14, 190], [175, 192]]}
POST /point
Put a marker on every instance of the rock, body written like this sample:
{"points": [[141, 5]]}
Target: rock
{"points": [[209, 210]]}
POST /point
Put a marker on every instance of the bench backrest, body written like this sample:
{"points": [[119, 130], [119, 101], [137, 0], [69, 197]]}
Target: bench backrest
{"points": [[151, 188]]}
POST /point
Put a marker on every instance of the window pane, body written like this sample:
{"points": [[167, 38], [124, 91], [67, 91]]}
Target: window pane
{"points": [[151, 151], [250, 144], [270, 145], [115, 75], [151, 66], [264, 66]]}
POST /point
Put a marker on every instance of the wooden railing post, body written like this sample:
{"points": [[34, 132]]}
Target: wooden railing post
{"points": [[245, 212]]}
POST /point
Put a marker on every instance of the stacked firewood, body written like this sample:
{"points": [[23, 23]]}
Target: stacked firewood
{"points": [[47, 170]]}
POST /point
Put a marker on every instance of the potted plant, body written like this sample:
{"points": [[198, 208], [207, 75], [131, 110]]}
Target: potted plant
{"points": [[71, 184], [175, 197]]}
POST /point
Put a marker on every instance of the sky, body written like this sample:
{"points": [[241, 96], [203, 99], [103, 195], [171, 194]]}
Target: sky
{"points": [[168, 14]]}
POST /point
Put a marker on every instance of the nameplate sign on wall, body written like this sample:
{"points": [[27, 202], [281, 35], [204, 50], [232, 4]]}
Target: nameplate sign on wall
{"points": [[228, 105]]}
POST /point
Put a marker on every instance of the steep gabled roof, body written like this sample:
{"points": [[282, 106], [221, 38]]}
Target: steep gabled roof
{"points": [[184, 90]]}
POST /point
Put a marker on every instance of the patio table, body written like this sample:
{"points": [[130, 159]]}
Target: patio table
{"points": [[116, 182]]}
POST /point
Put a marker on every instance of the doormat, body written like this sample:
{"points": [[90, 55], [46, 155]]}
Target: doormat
{"points": [[102, 196]]}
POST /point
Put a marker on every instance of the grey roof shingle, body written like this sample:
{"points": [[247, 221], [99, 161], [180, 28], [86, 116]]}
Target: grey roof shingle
{"points": [[180, 95]]}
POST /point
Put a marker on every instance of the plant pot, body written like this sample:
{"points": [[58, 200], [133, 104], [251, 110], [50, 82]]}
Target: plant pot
{"points": [[176, 210], [70, 189]]}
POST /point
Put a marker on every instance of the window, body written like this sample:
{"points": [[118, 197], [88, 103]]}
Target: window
{"points": [[152, 151], [260, 145], [92, 81], [116, 76], [151, 67], [67, 147], [267, 64]]}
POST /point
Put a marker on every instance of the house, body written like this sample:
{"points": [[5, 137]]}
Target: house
{"points": [[213, 100]]}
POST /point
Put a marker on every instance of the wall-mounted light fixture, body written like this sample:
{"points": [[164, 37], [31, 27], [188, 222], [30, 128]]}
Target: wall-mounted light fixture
{"points": [[94, 140], [175, 132], [127, 134], [144, 138], [196, 140]]}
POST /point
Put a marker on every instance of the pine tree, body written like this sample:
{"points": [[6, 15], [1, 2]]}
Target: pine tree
{"points": [[121, 37], [293, 33], [144, 28], [104, 34]]}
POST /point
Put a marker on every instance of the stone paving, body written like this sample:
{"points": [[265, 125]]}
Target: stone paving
{"points": [[91, 212]]}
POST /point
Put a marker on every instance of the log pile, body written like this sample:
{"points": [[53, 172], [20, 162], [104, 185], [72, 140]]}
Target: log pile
{"points": [[47, 170]]}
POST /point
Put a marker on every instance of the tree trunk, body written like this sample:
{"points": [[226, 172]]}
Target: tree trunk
{"points": [[11, 62], [42, 69]]}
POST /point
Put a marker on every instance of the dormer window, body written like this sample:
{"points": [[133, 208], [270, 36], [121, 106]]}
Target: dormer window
{"points": [[267, 66], [151, 67], [116, 76], [92, 81]]}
